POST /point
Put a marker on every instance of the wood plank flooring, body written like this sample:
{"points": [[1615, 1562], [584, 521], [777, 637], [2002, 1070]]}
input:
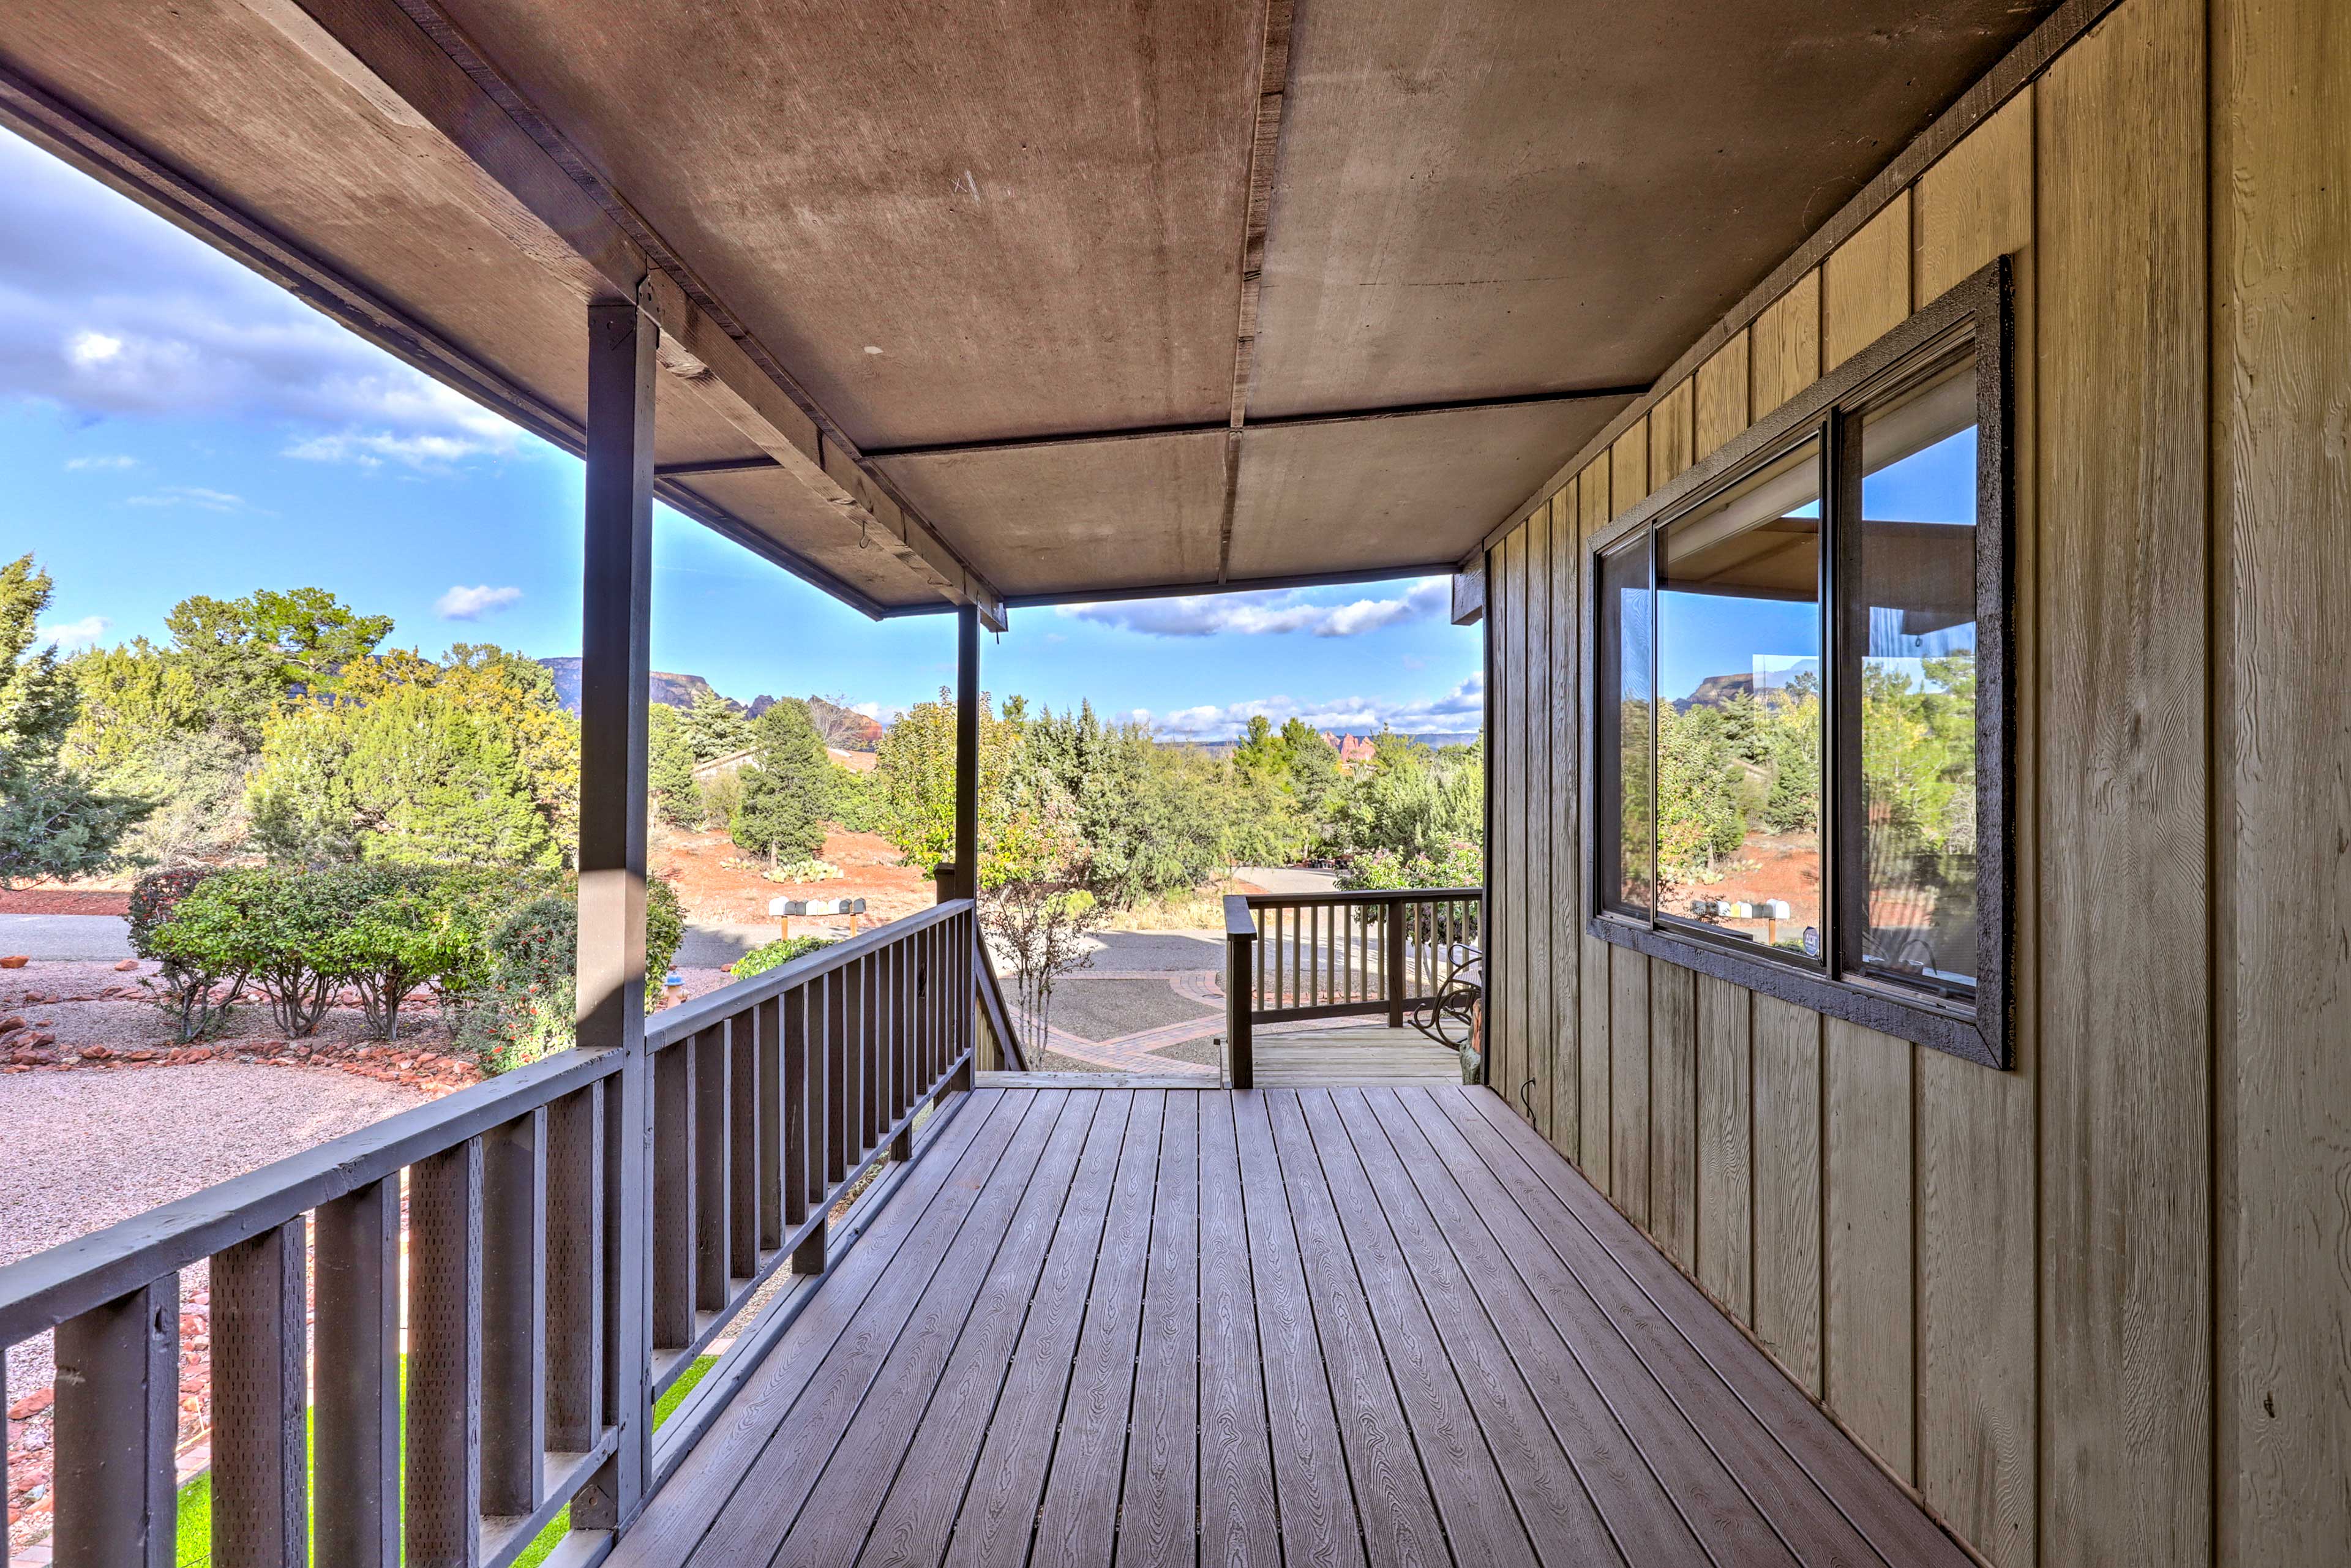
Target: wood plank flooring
{"points": [[1370, 1326], [1356, 1057]]}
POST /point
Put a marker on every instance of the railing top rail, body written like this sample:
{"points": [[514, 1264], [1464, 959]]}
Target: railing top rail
{"points": [[1238, 922], [1357, 895], [45, 1289], [679, 1023]]}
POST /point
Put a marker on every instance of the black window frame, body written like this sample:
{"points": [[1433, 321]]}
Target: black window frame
{"points": [[1977, 313]]}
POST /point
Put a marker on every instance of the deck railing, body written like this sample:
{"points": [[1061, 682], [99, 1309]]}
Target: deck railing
{"points": [[1300, 955], [575, 1234]]}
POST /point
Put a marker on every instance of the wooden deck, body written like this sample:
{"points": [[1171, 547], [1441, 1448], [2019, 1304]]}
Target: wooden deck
{"points": [[1358, 1057], [1366, 1327]]}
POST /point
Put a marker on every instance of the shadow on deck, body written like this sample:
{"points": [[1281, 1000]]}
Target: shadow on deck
{"points": [[1359, 1325]]}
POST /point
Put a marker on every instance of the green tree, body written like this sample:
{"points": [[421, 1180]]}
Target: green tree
{"points": [[914, 777], [787, 790], [715, 727], [409, 778], [249, 654], [669, 769], [53, 823]]}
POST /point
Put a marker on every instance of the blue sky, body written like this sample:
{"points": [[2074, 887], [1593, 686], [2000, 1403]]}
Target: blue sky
{"points": [[173, 424]]}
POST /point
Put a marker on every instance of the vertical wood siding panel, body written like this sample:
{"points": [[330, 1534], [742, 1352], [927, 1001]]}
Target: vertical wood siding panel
{"points": [[1671, 438], [1566, 818], [1501, 1018], [1977, 1163], [1869, 1314], [2283, 484], [1722, 396], [1592, 490], [1673, 1115], [1785, 355], [1629, 1032], [1628, 467], [1726, 1235], [1535, 727], [1788, 1185], [1514, 967], [1866, 285], [2126, 1089]]}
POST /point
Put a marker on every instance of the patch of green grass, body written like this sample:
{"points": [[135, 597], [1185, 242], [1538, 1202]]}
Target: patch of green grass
{"points": [[195, 1504]]}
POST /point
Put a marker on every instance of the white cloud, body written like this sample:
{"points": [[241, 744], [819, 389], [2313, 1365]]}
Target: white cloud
{"points": [[1458, 711], [463, 603], [882, 714], [190, 496], [115, 312], [83, 464], [74, 634], [1268, 613]]}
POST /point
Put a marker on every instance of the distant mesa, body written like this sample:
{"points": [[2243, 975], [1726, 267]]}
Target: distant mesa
{"points": [[1716, 690], [843, 729]]}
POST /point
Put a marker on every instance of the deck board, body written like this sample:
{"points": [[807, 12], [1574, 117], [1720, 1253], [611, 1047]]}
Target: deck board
{"points": [[1350, 1057], [1352, 1326]]}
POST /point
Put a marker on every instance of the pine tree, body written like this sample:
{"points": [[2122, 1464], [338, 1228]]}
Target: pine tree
{"points": [[52, 823], [715, 727], [669, 769], [787, 792]]}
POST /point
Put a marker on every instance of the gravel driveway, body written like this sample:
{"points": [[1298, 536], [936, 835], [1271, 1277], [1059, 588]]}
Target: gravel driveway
{"points": [[85, 1150]]}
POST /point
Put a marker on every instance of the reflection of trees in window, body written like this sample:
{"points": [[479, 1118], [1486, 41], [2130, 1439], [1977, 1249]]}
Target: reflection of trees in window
{"points": [[1919, 791]]}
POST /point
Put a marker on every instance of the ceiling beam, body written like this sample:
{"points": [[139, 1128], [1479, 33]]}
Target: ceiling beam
{"points": [[1265, 143], [1286, 421], [415, 57]]}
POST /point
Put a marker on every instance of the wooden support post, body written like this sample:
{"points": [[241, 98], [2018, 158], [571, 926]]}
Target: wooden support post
{"points": [[967, 800], [260, 1344], [1240, 958], [514, 1306], [1392, 940], [575, 1270], [616, 605], [444, 1359], [356, 1451], [117, 1415]]}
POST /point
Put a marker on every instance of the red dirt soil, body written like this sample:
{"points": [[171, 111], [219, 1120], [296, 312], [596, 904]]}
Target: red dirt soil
{"points": [[58, 901], [738, 895]]}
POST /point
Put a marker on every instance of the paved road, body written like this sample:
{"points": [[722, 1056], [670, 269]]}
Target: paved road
{"points": [[106, 937]]}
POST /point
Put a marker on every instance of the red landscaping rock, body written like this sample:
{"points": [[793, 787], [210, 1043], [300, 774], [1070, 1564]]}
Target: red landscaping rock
{"points": [[96, 1052], [15, 961], [32, 1404], [11, 1023], [127, 966]]}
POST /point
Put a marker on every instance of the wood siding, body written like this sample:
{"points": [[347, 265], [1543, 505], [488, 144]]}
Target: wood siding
{"points": [[2094, 1309]]}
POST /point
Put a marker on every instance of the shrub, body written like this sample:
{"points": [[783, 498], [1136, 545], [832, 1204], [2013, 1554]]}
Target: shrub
{"points": [[190, 976], [278, 927], [405, 927], [775, 955], [525, 1006]]}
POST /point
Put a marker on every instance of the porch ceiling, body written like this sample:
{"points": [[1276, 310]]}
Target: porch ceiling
{"points": [[897, 229]]}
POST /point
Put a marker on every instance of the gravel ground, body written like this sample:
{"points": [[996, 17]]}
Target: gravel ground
{"points": [[86, 1150], [1154, 950]]}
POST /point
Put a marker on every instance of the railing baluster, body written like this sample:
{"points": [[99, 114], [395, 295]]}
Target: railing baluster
{"points": [[797, 1098], [673, 1217], [356, 1459], [575, 1270], [838, 1087], [746, 1093], [775, 1091], [444, 1359], [117, 1415], [900, 991], [260, 1343], [514, 1309], [711, 1126]]}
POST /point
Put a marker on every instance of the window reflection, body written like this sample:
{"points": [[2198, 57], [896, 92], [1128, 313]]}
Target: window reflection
{"points": [[1919, 683], [1624, 724], [1741, 724]]}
